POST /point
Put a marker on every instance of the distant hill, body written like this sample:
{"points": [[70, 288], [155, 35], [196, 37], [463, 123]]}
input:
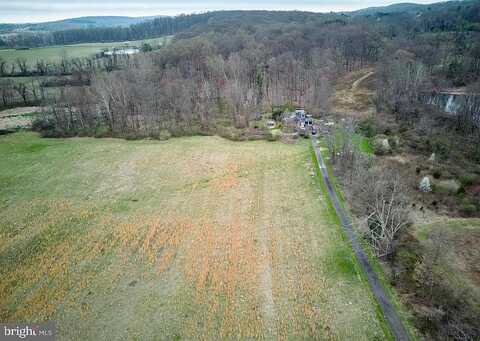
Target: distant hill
{"points": [[411, 8], [75, 23], [439, 17], [395, 8]]}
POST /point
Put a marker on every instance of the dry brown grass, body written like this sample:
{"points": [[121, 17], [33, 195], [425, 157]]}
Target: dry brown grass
{"points": [[352, 97], [198, 238]]}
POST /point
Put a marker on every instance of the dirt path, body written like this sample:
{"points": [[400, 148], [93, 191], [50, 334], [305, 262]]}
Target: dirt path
{"points": [[350, 97], [265, 285], [391, 315], [361, 79]]}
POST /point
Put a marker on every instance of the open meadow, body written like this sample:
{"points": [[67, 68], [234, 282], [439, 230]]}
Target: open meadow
{"points": [[191, 238], [54, 54]]}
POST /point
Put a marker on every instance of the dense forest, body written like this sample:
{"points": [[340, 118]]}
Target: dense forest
{"points": [[227, 65], [407, 20]]}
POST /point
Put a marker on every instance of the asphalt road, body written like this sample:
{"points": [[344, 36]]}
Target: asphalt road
{"points": [[391, 315]]}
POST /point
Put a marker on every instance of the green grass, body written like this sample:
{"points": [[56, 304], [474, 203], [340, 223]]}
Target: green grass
{"points": [[189, 238], [54, 54], [364, 144], [360, 141]]}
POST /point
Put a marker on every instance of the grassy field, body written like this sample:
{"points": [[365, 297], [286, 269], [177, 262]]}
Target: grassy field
{"points": [[55, 53], [460, 263], [192, 238]]}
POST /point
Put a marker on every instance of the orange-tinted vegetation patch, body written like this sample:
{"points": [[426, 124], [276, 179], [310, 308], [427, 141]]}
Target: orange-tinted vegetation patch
{"points": [[155, 238], [35, 288], [227, 180], [222, 264]]}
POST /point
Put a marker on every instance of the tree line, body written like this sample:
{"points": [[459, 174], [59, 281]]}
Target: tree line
{"points": [[449, 17], [201, 83]]}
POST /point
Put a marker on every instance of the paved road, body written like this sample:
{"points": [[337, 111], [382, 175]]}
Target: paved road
{"points": [[389, 311]]}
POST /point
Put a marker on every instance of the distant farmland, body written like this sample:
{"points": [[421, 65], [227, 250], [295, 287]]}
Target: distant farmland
{"points": [[55, 53], [192, 238]]}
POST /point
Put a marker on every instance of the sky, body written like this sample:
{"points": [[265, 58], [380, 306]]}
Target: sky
{"points": [[21, 11]]}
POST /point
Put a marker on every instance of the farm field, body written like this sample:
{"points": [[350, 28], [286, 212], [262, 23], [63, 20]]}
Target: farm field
{"points": [[191, 238], [55, 53], [20, 117]]}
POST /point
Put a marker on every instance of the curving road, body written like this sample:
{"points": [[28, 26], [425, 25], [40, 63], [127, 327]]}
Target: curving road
{"points": [[396, 324]]}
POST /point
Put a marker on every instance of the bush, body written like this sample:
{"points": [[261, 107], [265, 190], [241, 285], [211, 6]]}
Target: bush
{"points": [[469, 179], [381, 145], [164, 135], [231, 133], [272, 137], [440, 145], [102, 131], [277, 114], [437, 173], [469, 209], [367, 128], [394, 142], [43, 123], [447, 186]]}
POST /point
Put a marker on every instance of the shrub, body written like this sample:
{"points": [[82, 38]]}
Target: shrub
{"points": [[469, 179], [437, 173], [272, 137], [447, 186], [43, 123], [367, 128], [277, 114], [164, 135], [440, 145], [381, 145], [102, 131], [468, 209]]}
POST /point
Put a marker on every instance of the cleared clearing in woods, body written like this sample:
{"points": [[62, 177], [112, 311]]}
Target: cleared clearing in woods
{"points": [[353, 96], [191, 238]]}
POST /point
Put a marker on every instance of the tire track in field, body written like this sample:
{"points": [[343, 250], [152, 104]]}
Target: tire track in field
{"points": [[265, 278]]}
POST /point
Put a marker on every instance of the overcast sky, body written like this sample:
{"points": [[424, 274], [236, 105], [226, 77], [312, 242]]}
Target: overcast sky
{"points": [[47, 10]]}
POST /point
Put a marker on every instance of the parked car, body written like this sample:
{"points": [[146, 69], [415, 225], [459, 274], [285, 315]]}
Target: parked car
{"points": [[271, 124]]}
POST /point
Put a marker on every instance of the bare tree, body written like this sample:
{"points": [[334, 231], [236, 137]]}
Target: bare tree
{"points": [[3, 67], [388, 213], [41, 67], [7, 91], [22, 91], [22, 65]]}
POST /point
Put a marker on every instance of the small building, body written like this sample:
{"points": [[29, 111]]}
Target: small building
{"points": [[300, 113]]}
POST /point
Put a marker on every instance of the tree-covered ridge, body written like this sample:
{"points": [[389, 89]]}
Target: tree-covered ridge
{"points": [[74, 23], [442, 17]]}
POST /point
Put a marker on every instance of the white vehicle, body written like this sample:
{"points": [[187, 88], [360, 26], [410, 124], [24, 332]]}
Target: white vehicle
{"points": [[271, 124]]}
